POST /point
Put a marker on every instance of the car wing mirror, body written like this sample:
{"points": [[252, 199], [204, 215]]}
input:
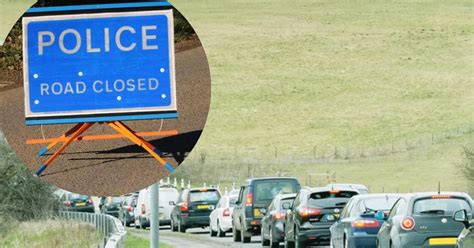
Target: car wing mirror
{"points": [[461, 216], [172, 203], [286, 205], [380, 215]]}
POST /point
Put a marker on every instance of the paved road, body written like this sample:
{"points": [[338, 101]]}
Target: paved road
{"points": [[116, 167], [198, 237]]}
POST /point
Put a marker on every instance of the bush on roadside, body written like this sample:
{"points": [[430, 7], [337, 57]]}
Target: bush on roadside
{"points": [[22, 196]]}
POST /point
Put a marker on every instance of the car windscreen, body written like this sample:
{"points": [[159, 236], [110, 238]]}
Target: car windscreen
{"points": [[440, 205], [328, 199], [383, 203], [204, 196], [265, 191], [77, 197]]}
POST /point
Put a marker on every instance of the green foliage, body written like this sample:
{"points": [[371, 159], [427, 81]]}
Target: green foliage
{"points": [[22, 196], [182, 29], [10, 52]]}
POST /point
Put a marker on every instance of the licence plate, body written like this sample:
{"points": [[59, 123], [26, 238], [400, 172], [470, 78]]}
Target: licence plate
{"points": [[442, 241], [203, 206], [80, 204]]}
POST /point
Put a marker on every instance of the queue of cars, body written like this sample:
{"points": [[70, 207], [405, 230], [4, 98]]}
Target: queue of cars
{"points": [[278, 208]]}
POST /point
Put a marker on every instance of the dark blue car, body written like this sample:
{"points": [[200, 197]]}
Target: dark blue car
{"points": [[361, 220]]}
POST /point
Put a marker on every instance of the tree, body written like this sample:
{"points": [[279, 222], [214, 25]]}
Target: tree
{"points": [[468, 168]]}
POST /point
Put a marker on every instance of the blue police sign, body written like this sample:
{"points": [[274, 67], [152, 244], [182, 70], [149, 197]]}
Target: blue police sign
{"points": [[99, 64]]}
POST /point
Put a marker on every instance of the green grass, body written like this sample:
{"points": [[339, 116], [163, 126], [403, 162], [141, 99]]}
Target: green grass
{"points": [[305, 74], [137, 242], [51, 233]]}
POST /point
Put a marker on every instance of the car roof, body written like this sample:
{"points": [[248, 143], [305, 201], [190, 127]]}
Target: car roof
{"points": [[357, 186], [203, 188], [251, 180], [378, 195], [325, 188], [429, 194]]}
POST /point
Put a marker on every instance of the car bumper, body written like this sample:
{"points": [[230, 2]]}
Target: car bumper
{"points": [[253, 226], [195, 221], [88, 209], [363, 240], [422, 240], [315, 235], [225, 224]]}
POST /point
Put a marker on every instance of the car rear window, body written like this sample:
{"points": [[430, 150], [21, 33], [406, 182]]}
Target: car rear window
{"points": [[265, 191], [376, 204], [205, 196], [330, 199], [78, 197], [440, 206]]}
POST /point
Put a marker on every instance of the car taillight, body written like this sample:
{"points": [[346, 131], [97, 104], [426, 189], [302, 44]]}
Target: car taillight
{"points": [[130, 209], [279, 216], [408, 224], [249, 200], [306, 212], [143, 209], [68, 203], [365, 224], [184, 207], [226, 212]]}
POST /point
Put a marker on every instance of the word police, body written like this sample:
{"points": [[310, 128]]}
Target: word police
{"points": [[99, 86], [71, 41]]}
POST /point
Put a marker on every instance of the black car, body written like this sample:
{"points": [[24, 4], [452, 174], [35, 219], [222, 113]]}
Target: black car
{"points": [[273, 223], [424, 220], [77, 203], [126, 210], [361, 220], [312, 214], [112, 206], [193, 208], [254, 198]]}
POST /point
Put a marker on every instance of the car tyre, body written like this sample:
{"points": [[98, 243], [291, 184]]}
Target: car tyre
{"points": [[181, 228], [220, 233], [289, 244], [174, 228], [244, 237], [235, 234], [212, 232], [346, 242]]}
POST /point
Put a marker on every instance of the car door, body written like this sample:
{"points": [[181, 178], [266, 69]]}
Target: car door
{"points": [[238, 209], [384, 235], [266, 220], [338, 228], [216, 213]]}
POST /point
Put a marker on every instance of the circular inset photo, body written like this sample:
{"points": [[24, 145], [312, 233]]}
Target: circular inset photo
{"points": [[103, 97]]}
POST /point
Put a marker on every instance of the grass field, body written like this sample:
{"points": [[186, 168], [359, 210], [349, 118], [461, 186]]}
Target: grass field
{"points": [[302, 74], [51, 233], [137, 242]]}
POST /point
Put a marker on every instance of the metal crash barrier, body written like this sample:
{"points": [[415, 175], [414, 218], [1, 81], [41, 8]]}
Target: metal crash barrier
{"points": [[112, 230]]}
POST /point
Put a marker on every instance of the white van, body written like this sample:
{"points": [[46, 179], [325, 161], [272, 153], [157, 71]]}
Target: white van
{"points": [[142, 211]]}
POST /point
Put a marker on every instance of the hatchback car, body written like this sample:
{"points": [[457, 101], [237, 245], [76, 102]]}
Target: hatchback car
{"points": [[361, 220], [273, 223], [312, 214], [193, 208], [254, 198], [126, 211], [423, 220], [220, 221], [112, 206], [77, 203]]}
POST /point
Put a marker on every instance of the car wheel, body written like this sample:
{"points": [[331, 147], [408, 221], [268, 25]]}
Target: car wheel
{"points": [[298, 243], [346, 242], [137, 225], [273, 243], [212, 232], [391, 244], [235, 234], [220, 233], [289, 244], [245, 237], [181, 228], [174, 228]]}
